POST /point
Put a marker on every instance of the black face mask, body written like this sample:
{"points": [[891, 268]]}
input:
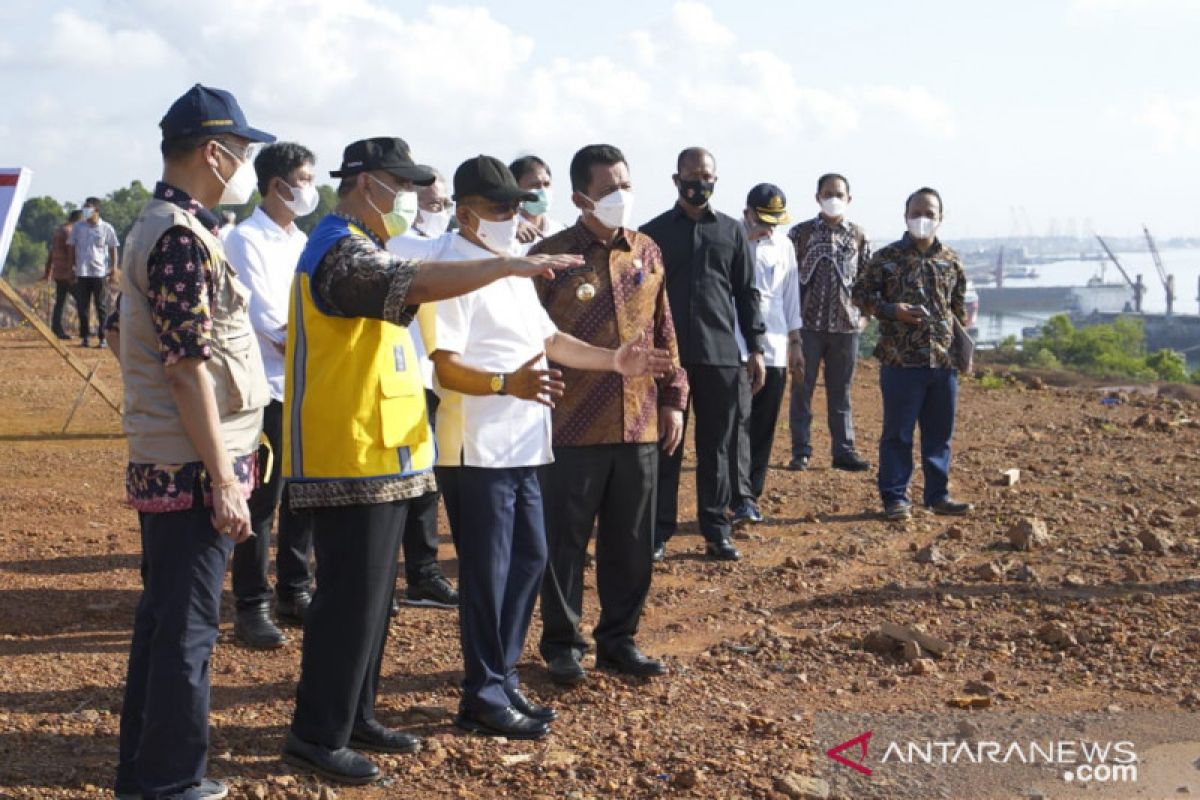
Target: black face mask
{"points": [[696, 193]]}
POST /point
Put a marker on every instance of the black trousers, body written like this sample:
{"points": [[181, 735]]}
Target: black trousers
{"points": [[756, 433], [89, 292], [609, 487], [420, 538], [346, 626], [164, 717], [62, 289], [713, 400], [447, 479], [252, 558]]}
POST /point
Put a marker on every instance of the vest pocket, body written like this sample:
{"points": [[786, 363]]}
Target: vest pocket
{"points": [[245, 390], [402, 412]]}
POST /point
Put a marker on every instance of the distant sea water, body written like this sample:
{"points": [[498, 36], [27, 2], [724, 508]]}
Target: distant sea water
{"points": [[1183, 263]]}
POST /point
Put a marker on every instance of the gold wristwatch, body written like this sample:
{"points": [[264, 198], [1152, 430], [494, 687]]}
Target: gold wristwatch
{"points": [[498, 383]]}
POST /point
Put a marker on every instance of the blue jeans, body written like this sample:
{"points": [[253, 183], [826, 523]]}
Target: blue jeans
{"points": [[912, 396], [502, 554], [164, 719]]}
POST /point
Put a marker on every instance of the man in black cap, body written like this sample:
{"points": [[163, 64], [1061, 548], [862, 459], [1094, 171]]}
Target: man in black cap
{"points": [[491, 348], [194, 394], [779, 303], [357, 445]]}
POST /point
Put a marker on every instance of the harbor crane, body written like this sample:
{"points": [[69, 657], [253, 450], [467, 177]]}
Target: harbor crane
{"points": [[1168, 281], [1138, 287]]}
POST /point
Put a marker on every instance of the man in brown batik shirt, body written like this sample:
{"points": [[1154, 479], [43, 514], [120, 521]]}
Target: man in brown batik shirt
{"points": [[607, 427]]}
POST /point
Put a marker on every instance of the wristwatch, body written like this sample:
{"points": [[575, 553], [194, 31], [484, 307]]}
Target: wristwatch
{"points": [[498, 382]]}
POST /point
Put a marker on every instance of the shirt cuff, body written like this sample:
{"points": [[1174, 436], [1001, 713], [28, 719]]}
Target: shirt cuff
{"points": [[395, 310]]}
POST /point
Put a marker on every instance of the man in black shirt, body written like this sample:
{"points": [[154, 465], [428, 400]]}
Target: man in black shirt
{"points": [[710, 286]]}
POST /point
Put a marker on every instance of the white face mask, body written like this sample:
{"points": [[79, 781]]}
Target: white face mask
{"points": [[499, 237], [614, 209], [304, 199], [921, 227], [241, 183], [433, 223], [834, 206]]}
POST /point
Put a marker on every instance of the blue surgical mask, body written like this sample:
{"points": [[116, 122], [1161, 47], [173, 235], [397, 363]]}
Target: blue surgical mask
{"points": [[540, 206]]}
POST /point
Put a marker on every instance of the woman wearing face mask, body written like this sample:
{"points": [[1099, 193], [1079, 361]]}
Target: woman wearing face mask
{"points": [[533, 175], [915, 287]]}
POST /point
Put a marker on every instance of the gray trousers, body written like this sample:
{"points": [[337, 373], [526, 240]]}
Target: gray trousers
{"points": [[839, 351]]}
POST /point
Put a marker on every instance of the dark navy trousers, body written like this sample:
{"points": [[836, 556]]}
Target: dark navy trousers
{"points": [[164, 718], [501, 538], [912, 396]]}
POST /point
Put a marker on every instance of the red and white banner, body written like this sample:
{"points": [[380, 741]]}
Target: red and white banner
{"points": [[14, 186]]}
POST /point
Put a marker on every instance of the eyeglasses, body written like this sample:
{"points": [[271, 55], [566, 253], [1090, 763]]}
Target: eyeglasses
{"points": [[248, 153]]}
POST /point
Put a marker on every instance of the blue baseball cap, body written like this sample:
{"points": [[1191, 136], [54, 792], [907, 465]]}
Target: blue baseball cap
{"points": [[769, 204], [204, 111]]}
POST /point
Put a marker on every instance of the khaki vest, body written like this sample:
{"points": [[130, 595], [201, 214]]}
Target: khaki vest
{"points": [[151, 418]]}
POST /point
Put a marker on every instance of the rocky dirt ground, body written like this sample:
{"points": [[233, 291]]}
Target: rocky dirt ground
{"points": [[1099, 612]]}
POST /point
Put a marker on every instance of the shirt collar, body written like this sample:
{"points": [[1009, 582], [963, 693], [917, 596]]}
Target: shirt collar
{"points": [[821, 222], [586, 238], [908, 243], [263, 220], [708, 211], [177, 196], [362, 226]]}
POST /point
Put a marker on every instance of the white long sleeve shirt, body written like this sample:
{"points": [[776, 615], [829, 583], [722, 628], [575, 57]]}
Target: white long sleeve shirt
{"points": [[778, 284], [265, 257]]}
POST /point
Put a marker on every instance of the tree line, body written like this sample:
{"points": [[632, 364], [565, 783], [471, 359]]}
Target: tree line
{"points": [[41, 216]]}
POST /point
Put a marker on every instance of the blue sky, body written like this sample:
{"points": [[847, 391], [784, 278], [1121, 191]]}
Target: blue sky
{"points": [[1072, 114]]}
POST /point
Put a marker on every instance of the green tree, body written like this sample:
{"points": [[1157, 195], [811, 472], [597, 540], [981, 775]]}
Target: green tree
{"points": [[40, 217], [122, 206], [1169, 365], [26, 259]]}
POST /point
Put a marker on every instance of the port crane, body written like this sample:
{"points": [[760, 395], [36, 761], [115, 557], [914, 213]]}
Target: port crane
{"points": [[1168, 281], [1138, 287]]}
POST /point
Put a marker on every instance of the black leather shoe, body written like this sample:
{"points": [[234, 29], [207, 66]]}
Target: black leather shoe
{"points": [[375, 737], [722, 550], [565, 670], [951, 508], [630, 661], [342, 765], [432, 591], [253, 628], [533, 710], [660, 552], [507, 722], [207, 789], [851, 462], [292, 609], [798, 464]]}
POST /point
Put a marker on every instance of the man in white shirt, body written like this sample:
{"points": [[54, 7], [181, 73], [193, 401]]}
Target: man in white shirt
{"points": [[264, 249], [778, 285], [93, 248], [533, 175], [427, 585], [491, 349]]}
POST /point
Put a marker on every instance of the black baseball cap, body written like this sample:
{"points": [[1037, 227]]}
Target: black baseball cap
{"points": [[386, 154], [769, 204], [203, 111], [489, 178]]}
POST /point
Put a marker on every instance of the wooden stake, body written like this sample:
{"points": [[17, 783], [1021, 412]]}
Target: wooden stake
{"points": [[82, 394], [9, 293]]}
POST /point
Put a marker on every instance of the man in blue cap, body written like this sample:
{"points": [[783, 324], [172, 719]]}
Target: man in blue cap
{"points": [[194, 394]]}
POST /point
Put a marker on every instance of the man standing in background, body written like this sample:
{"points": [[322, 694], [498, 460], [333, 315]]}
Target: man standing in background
{"points": [[93, 248], [830, 251], [710, 283], [264, 250], [779, 301], [533, 175], [60, 268]]}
